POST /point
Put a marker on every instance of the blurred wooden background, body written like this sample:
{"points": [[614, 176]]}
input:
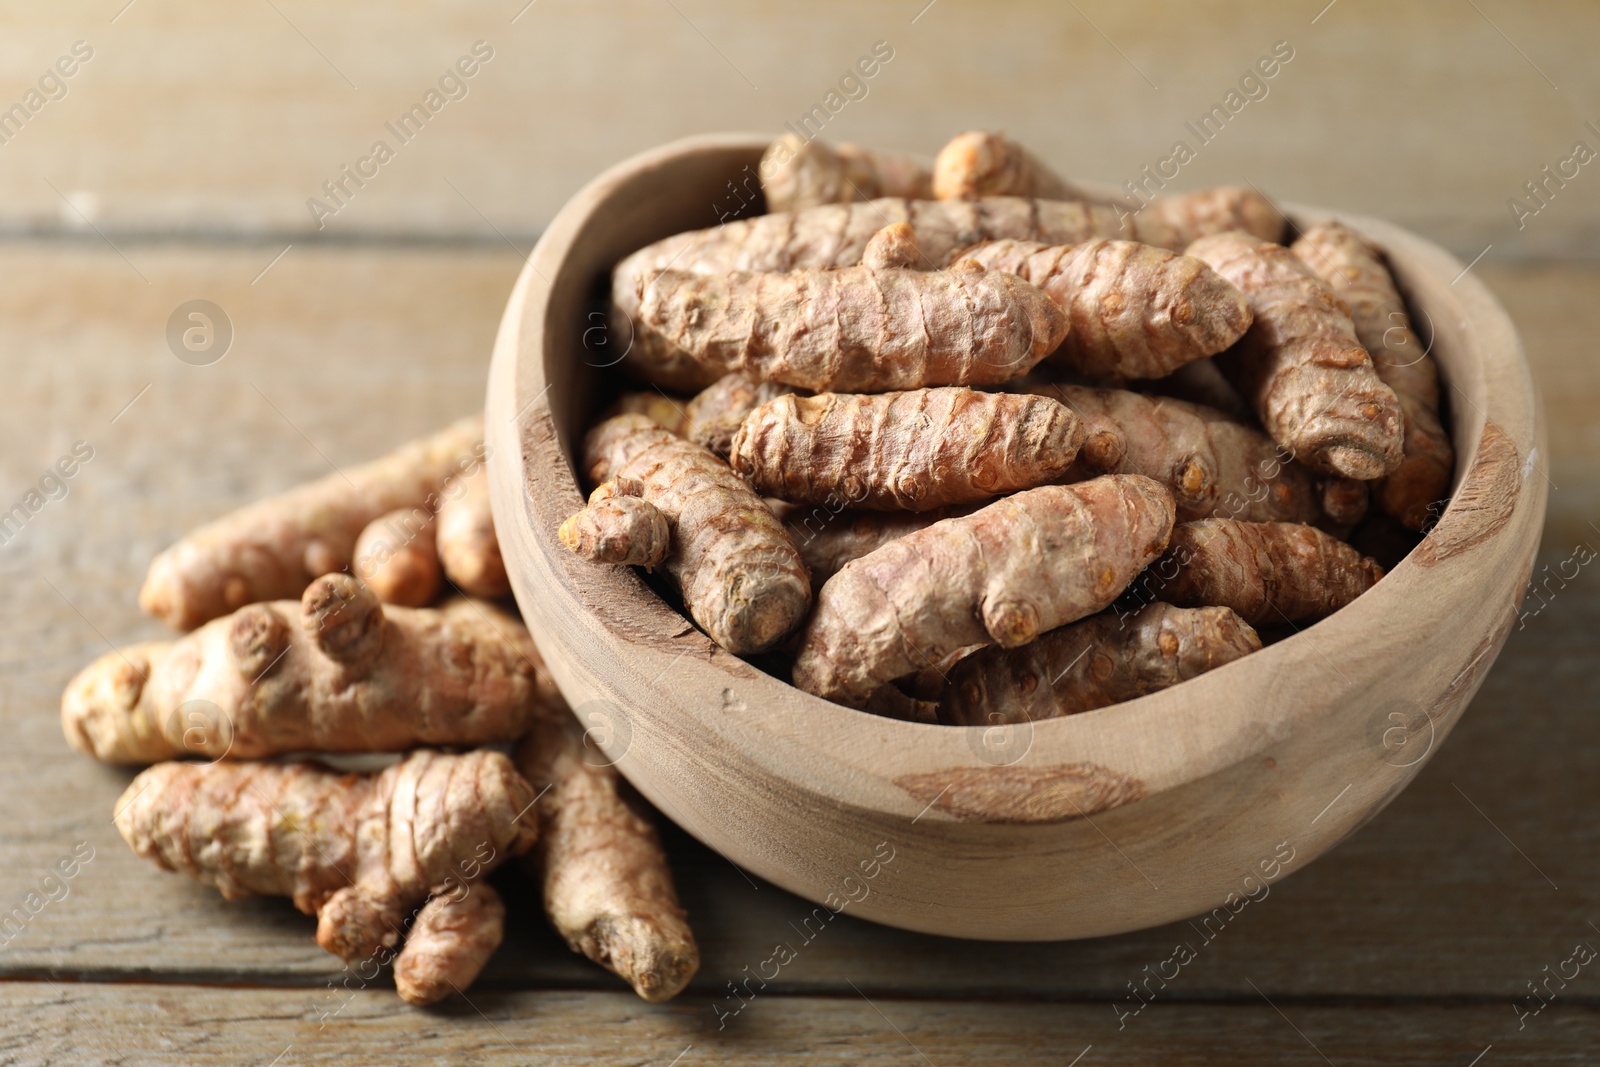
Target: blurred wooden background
{"points": [[215, 119], [176, 163]]}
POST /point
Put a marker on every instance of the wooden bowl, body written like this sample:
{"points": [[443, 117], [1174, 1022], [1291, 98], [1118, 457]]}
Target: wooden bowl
{"points": [[1127, 817]]}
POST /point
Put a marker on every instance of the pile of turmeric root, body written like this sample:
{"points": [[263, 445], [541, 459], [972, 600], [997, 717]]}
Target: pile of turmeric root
{"points": [[363, 613], [966, 443]]}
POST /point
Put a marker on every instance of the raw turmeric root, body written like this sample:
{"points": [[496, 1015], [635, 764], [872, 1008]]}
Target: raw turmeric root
{"points": [[359, 851], [715, 413], [666, 411], [607, 887], [977, 164], [855, 329], [467, 545], [335, 672], [397, 559], [272, 549], [894, 246], [1093, 664], [1267, 572], [1217, 210], [448, 944], [617, 527], [912, 451], [828, 538], [741, 577], [1003, 575], [1135, 311], [1353, 267], [1301, 365], [797, 173], [836, 235], [1212, 464]]}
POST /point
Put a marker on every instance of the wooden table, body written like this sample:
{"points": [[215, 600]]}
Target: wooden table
{"points": [[1409, 944]]}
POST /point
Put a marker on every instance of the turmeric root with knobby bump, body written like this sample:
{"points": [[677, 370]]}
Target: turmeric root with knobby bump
{"points": [[1301, 366], [1094, 664], [976, 164], [358, 851], [715, 413], [1005, 574], [911, 451], [618, 527], [836, 235], [607, 887], [798, 173], [397, 559], [468, 547], [829, 539], [272, 549], [1135, 311], [448, 944], [741, 577], [1267, 572], [893, 246], [663, 410], [855, 329], [1220, 209], [335, 672], [1353, 267], [1212, 464]]}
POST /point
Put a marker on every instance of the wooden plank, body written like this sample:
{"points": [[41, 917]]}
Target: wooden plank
{"points": [[357, 348], [91, 1024], [190, 118]]}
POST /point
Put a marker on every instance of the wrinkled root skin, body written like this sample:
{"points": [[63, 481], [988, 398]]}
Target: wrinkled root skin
{"points": [[741, 577], [799, 173], [854, 329], [1301, 365], [359, 851], [1353, 267], [272, 549], [607, 887], [617, 528], [1001, 575], [1268, 572], [1135, 311], [912, 451], [337, 672], [1093, 664]]}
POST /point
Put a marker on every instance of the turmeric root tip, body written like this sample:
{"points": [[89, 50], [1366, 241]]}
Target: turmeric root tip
{"points": [[1301, 365], [615, 528], [1267, 572], [607, 886], [1094, 664], [1353, 267]]}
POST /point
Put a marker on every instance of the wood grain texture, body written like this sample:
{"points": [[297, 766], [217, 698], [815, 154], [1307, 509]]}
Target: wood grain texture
{"points": [[94, 1024], [804, 791], [198, 118], [1439, 900]]}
